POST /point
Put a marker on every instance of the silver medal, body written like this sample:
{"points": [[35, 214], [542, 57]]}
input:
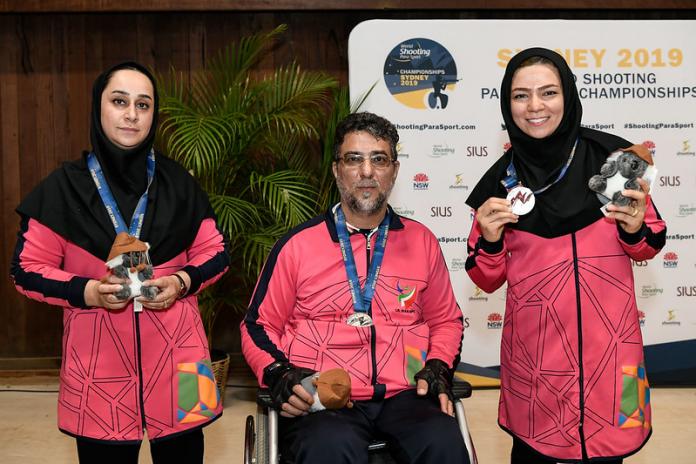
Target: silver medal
{"points": [[521, 200], [359, 320]]}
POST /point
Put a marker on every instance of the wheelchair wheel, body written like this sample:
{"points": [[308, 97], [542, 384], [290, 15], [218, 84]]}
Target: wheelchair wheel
{"points": [[249, 439], [261, 446]]}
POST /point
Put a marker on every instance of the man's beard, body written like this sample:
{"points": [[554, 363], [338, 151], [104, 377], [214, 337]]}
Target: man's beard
{"points": [[362, 206]]}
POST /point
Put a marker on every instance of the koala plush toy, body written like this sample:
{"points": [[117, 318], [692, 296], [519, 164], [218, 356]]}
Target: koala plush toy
{"points": [[129, 259], [621, 171]]}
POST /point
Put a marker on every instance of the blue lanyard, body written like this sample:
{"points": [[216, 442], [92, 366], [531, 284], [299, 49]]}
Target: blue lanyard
{"points": [[511, 180], [362, 297], [107, 197]]}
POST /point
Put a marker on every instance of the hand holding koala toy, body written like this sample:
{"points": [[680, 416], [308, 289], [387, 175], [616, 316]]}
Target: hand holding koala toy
{"points": [[130, 260], [621, 171]]}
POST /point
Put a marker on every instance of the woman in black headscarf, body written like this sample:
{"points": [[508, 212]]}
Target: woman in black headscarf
{"points": [[573, 383], [129, 364]]}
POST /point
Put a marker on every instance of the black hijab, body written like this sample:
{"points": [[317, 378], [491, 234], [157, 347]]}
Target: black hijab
{"points": [[68, 203], [569, 205]]}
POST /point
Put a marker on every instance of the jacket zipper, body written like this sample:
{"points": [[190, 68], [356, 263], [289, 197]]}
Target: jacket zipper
{"points": [[140, 368], [373, 331], [581, 373]]}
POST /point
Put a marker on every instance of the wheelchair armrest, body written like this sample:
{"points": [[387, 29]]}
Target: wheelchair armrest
{"points": [[461, 389], [263, 398]]}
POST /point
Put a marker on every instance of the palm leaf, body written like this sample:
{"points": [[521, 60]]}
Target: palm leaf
{"points": [[258, 246], [286, 194]]}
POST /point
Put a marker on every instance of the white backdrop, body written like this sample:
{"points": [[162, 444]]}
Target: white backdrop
{"points": [[637, 79]]}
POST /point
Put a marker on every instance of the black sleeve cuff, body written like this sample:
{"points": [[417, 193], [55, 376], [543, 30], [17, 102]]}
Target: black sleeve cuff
{"points": [[195, 274], [76, 292], [632, 238], [491, 248]]}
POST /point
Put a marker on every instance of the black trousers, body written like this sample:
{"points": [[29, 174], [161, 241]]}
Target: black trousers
{"points": [[415, 428], [186, 449], [523, 454]]}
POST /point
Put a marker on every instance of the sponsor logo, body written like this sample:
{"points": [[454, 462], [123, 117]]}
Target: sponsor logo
{"points": [[650, 145], [404, 211], [671, 318], [457, 264], [686, 149], [478, 295], [400, 150], [686, 210], [639, 263], [669, 181], [684, 290], [421, 181], [495, 321], [479, 151], [440, 211], [507, 146], [680, 236], [647, 291], [407, 296], [641, 318], [441, 150], [421, 74], [452, 239], [459, 182], [670, 260]]}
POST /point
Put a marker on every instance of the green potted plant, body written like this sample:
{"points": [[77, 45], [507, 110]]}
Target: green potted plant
{"points": [[254, 144]]}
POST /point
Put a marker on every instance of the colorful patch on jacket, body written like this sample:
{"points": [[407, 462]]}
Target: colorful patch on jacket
{"points": [[198, 393], [407, 295], [415, 360], [635, 397]]}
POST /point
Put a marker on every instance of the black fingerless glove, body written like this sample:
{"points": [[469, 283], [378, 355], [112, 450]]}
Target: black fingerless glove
{"points": [[281, 377], [439, 378]]}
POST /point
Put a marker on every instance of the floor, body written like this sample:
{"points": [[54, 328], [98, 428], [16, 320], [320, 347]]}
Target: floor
{"points": [[28, 433]]}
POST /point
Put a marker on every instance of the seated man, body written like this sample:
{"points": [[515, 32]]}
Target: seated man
{"points": [[366, 290]]}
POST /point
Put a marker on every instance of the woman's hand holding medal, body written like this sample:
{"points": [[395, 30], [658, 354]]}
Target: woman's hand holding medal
{"points": [[630, 218], [492, 216]]}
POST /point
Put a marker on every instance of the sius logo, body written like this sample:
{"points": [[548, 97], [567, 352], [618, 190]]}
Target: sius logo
{"points": [[440, 211], [683, 290], [495, 321], [480, 151], [420, 181], [639, 263], [670, 260], [670, 181]]}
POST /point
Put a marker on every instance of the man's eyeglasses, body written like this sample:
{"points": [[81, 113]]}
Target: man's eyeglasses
{"points": [[377, 160]]}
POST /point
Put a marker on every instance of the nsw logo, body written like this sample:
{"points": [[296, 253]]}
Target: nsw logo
{"points": [[421, 181], [670, 260], [495, 321]]}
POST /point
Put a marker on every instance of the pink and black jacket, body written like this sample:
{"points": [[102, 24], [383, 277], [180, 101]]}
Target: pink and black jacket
{"points": [[573, 382], [301, 302], [124, 372]]}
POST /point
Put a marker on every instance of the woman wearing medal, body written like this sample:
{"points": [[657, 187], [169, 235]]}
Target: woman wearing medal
{"points": [[573, 382], [129, 365]]}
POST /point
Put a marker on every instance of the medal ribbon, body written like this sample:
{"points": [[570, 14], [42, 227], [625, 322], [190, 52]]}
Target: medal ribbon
{"points": [[511, 180], [362, 297], [107, 197]]}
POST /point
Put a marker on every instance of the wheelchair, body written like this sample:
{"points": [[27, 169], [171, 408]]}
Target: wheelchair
{"points": [[261, 435]]}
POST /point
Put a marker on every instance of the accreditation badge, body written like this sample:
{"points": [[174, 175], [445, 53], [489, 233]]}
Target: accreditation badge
{"points": [[521, 200]]}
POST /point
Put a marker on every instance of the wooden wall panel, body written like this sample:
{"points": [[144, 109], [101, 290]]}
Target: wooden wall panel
{"points": [[48, 63]]}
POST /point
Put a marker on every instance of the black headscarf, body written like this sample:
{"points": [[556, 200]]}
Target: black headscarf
{"points": [[569, 205], [68, 203]]}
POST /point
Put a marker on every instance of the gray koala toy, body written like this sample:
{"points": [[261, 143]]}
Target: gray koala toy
{"points": [[129, 259], [621, 171]]}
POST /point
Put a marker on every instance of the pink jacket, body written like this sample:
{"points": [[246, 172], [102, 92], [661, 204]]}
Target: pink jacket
{"points": [[299, 308], [572, 371], [122, 371]]}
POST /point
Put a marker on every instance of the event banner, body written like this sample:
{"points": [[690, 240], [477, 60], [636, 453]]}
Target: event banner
{"points": [[438, 81]]}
